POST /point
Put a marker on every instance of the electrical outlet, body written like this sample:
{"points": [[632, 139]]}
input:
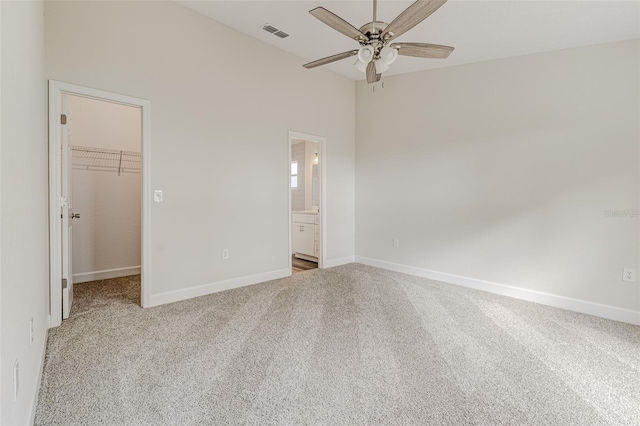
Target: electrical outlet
{"points": [[395, 243], [16, 380], [629, 275], [225, 253], [31, 331], [158, 196]]}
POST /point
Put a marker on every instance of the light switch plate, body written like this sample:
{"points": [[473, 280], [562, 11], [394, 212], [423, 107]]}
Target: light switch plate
{"points": [[158, 196]]}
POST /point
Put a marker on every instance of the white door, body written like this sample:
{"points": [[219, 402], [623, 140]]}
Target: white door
{"points": [[66, 212]]}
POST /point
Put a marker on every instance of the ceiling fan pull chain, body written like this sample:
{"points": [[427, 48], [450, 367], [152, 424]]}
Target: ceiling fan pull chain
{"points": [[374, 86]]}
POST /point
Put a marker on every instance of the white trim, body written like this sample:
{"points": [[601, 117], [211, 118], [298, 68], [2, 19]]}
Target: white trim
{"points": [[56, 90], [290, 252], [106, 274], [55, 222], [340, 261], [322, 149], [322, 216], [205, 289], [557, 301], [34, 398], [305, 257]]}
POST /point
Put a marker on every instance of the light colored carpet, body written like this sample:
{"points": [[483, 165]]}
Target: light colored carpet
{"points": [[346, 345]]}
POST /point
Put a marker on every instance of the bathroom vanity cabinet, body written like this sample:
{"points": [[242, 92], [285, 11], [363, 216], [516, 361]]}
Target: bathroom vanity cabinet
{"points": [[304, 231]]}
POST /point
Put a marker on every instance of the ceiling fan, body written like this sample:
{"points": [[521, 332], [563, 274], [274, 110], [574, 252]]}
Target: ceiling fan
{"points": [[377, 52]]}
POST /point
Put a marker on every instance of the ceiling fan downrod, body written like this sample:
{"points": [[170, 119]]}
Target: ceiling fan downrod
{"points": [[375, 13]]}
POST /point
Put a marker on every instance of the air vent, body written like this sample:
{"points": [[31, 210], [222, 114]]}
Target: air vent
{"points": [[268, 28], [273, 30]]}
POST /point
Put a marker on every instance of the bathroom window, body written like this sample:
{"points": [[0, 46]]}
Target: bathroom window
{"points": [[294, 174]]}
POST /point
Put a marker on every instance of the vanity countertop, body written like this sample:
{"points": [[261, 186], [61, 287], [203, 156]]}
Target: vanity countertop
{"points": [[304, 212]]}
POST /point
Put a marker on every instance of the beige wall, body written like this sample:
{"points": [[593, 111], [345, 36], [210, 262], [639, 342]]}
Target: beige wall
{"points": [[106, 237], [215, 95], [498, 171], [502, 171], [24, 276], [102, 124]]}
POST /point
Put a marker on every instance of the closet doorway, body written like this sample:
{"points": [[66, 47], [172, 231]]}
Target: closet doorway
{"points": [[97, 182], [106, 165], [306, 202]]}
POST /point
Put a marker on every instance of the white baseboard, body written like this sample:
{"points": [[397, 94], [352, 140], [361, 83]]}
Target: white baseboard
{"points": [[203, 290], [337, 262], [34, 399], [562, 302], [305, 257], [106, 274]]}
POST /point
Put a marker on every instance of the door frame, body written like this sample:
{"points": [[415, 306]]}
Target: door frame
{"points": [[322, 217], [56, 90]]}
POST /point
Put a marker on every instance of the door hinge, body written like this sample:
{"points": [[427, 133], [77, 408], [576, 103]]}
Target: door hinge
{"points": [[64, 283], [63, 119]]}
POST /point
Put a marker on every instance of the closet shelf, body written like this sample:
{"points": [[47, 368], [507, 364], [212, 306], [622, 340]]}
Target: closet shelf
{"points": [[91, 158]]}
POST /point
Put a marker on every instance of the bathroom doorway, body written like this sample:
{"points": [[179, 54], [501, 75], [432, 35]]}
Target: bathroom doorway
{"points": [[305, 205]]}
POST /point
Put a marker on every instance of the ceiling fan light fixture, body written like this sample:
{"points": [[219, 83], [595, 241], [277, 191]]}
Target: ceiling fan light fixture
{"points": [[388, 55], [381, 66], [365, 54], [361, 66]]}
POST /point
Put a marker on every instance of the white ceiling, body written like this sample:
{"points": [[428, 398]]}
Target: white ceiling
{"points": [[479, 30]]}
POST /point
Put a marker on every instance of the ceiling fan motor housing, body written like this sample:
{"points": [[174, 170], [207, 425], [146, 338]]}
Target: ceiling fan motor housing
{"points": [[373, 31]]}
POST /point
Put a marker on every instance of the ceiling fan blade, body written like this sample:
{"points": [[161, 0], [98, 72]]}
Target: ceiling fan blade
{"points": [[412, 16], [330, 59], [423, 50], [337, 23], [372, 77]]}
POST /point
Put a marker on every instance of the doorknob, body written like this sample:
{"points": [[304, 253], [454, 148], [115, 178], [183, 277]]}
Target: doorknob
{"points": [[75, 216]]}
